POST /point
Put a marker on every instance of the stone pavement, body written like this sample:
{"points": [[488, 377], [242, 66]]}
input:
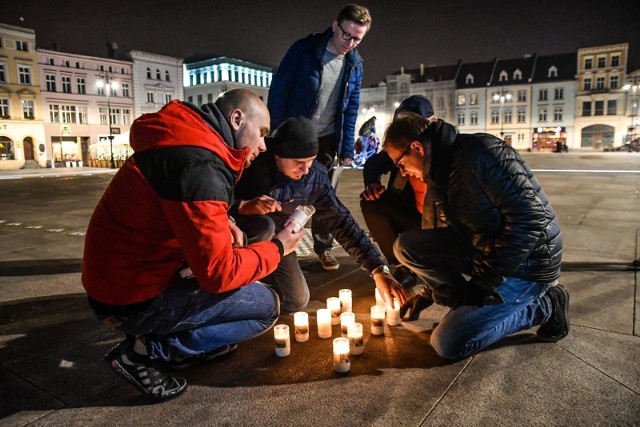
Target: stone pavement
{"points": [[51, 347]]}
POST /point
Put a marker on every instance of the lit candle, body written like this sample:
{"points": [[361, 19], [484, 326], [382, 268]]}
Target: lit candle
{"points": [[377, 320], [283, 341], [347, 318], [379, 300], [393, 313], [301, 326], [356, 344], [341, 355], [345, 300], [333, 304], [324, 323]]}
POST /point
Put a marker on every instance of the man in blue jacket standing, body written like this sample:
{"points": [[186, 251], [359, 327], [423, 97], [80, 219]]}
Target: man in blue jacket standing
{"points": [[320, 78]]}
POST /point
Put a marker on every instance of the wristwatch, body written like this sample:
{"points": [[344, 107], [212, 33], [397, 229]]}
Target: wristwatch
{"points": [[381, 269]]}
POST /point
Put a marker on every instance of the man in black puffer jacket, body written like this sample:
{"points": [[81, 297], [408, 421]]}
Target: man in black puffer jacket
{"points": [[490, 245]]}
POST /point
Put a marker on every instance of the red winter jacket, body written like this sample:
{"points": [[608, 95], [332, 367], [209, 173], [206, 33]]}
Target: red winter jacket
{"points": [[168, 205]]}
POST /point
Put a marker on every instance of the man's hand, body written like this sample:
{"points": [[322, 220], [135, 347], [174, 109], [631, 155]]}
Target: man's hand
{"points": [[260, 205], [415, 305], [389, 288], [372, 191], [345, 161], [290, 239], [237, 236]]}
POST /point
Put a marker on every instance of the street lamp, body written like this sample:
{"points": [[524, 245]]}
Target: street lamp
{"points": [[502, 96], [105, 80], [632, 88]]}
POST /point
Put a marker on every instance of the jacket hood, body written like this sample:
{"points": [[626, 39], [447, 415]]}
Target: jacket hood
{"points": [[181, 124]]}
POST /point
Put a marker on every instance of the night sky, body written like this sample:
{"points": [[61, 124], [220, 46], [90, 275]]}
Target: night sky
{"points": [[404, 33]]}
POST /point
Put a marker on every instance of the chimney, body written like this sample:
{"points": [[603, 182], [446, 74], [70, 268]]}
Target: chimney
{"points": [[421, 70], [401, 70]]}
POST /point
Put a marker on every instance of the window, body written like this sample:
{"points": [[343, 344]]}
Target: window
{"points": [[522, 115], [115, 116], [150, 98], [517, 75], [469, 79], [503, 76], [6, 148], [615, 60], [599, 108], [600, 83], [66, 84], [522, 96], [82, 86], [50, 61], [209, 97], [51, 82], [126, 116], [54, 113], [167, 98], [190, 98], [4, 108], [82, 115], [558, 93], [586, 84], [148, 72], [613, 82], [101, 90], [461, 118], [542, 115], [508, 115], [495, 117], [602, 62], [461, 100], [3, 72], [125, 90], [553, 72], [521, 138], [612, 107], [68, 64], [157, 74], [588, 63], [77, 65], [68, 114], [200, 100], [166, 76], [103, 116], [474, 99], [542, 95], [23, 46], [24, 74], [586, 108], [473, 118], [112, 90], [557, 114]]}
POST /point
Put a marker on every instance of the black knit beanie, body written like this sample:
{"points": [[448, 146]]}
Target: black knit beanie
{"points": [[295, 138]]}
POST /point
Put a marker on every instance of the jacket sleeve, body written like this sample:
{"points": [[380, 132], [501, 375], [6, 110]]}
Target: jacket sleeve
{"points": [[377, 165], [507, 183], [202, 228], [350, 117], [282, 85]]}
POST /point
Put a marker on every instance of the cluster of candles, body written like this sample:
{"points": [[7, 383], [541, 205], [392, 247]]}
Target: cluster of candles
{"points": [[338, 312]]}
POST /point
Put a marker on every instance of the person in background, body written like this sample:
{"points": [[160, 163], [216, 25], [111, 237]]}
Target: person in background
{"points": [[163, 263], [390, 211], [286, 177], [320, 78], [490, 246]]}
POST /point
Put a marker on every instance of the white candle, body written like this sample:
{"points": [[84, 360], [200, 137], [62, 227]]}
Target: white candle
{"points": [[379, 300], [333, 304], [345, 300], [283, 341], [393, 313], [347, 318], [324, 323], [301, 326], [377, 320], [356, 344], [341, 355]]}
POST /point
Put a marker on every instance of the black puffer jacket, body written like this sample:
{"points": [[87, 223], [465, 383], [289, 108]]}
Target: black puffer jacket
{"points": [[481, 186]]}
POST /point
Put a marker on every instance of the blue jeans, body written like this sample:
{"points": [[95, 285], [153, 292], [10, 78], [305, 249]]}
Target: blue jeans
{"points": [[439, 256], [185, 320]]}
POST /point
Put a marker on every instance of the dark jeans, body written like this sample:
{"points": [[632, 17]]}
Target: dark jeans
{"points": [[322, 239], [439, 256], [389, 216]]}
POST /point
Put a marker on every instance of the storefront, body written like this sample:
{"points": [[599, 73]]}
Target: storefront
{"points": [[549, 138], [69, 149]]}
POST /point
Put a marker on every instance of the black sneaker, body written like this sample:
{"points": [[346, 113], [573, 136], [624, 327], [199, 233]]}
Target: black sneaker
{"points": [[328, 261], [144, 373], [557, 326], [406, 277], [185, 362]]}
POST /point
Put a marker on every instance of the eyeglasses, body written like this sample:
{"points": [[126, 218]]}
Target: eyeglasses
{"points": [[348, 37], [404, 153]]}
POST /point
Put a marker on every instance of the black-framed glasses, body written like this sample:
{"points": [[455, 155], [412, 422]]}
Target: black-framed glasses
{"points": [[348, 37], [404, 153]]}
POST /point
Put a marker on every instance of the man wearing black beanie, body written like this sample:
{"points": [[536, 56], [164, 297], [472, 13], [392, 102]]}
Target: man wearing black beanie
{"points": [[288, 176]]}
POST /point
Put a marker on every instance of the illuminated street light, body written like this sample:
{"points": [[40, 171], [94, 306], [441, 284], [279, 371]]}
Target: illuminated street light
{"points": [[502, 96], [632, 88], [105, 81]]}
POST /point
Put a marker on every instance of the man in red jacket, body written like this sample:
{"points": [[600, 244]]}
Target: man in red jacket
{"points": [[164, 210]]}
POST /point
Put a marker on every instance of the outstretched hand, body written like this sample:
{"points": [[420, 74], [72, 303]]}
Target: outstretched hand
{"points": [[260, 205], [372, 191]]}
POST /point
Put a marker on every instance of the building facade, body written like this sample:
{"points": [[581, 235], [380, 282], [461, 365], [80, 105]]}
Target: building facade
{"points": [[22, 140]]}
